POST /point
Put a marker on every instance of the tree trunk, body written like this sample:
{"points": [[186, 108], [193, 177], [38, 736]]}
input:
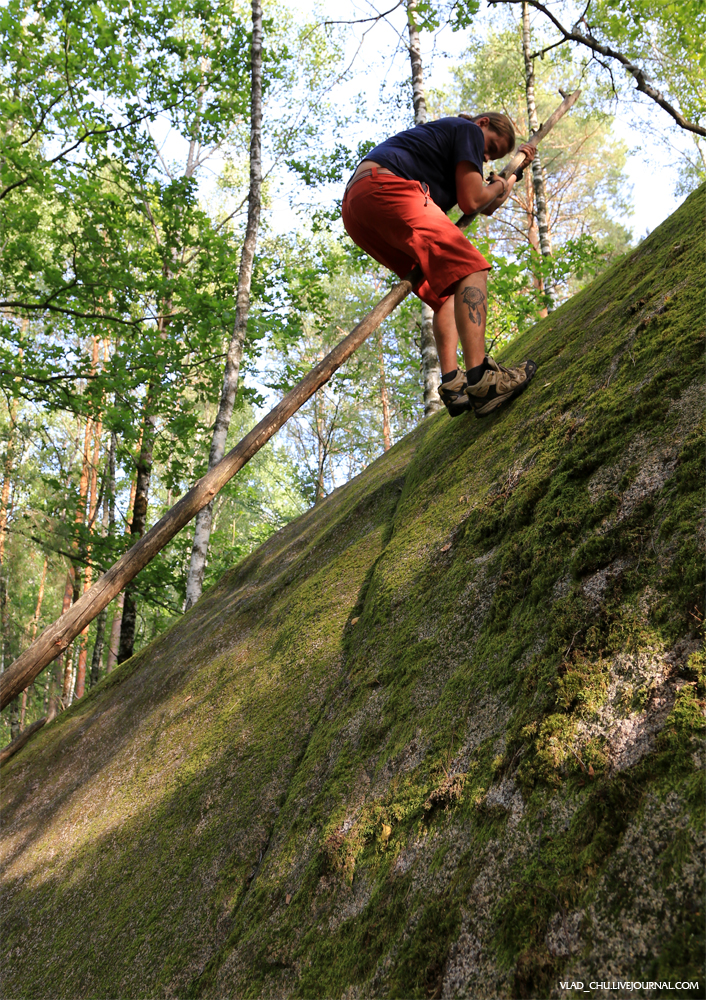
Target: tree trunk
{"points": [[65, 605], [88, 569], [60, 633], [533, 237], [40, 599], [4, 515], [204, 519], [15, 718], [23, 708], [431, 370], [98, 648], [540, 191], [4, 621], [6, 479], [114, 640], [78, 544], [115, 628], [137, 527], [73, 667], [419, 102], [386, 431], [70, 664], [32, 632], [107, 526]]}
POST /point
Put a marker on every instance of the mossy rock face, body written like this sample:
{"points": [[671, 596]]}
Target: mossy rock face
{"points": [[440, 737]]}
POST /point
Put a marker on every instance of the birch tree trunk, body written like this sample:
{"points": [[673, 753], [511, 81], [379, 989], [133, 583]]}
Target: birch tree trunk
{"points": [[79, 520], [115, 628], [540, 191], [204, 519], [5, 505], [386, 429], [106, 529], [62, 657], [114, 640], [92, 501], [6, 479], [67, 695], [431, 370], [4, 515]]}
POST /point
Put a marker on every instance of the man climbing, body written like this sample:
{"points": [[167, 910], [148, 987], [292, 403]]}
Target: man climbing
{"points": [[395, 208]]}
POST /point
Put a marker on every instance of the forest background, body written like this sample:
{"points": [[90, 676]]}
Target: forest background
{"points": [[136, 171]]}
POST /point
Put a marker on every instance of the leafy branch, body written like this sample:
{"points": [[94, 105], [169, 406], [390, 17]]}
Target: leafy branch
{"points": [[587, 39], [89, 133]]}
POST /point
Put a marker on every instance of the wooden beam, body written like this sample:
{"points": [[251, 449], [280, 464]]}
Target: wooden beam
{"points": [[19, 741]]}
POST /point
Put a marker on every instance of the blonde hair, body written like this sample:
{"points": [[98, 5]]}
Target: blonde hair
{"points": [[499, 123]]}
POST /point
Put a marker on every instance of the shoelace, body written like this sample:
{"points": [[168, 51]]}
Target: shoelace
{"points": [[512, 372]]}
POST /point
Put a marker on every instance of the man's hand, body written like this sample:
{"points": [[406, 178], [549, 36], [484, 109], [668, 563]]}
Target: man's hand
{"points": [[472, 193], [529, 152]]}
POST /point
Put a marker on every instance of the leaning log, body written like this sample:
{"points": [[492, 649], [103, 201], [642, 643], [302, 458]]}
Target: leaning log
{"points": [[19, 741], [57, 636]]}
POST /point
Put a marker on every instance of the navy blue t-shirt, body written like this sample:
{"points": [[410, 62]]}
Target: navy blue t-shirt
{"points": [[430, 153]]}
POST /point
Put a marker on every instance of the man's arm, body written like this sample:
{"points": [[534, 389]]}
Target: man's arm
{"points": [[472, 194], [509, 185]]}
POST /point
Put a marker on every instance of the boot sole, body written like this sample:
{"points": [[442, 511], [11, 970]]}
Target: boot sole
{"points": [[488, 408], [457, 409]]}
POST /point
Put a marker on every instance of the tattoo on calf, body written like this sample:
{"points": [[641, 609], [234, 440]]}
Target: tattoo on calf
{"points": [[475, 300]]}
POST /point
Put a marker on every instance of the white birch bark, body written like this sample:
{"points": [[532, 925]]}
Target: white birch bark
{"points": [[386, 428], [202, 529], [540, 191], [431, 370]]}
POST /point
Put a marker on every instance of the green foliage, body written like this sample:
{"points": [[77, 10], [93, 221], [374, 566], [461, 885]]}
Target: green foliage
{"points": [[321, 291], [514, 303], [109, 242], [666, 38]]}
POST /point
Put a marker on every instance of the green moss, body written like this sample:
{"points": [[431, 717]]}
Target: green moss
{"points": [[274, 801]]}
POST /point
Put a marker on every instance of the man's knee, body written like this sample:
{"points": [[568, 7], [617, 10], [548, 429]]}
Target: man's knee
{"points": [[477, 279]]}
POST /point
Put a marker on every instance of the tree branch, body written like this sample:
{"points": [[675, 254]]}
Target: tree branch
{"points": [[46, 307], [641, 80], [366, 20], [112, 130]]}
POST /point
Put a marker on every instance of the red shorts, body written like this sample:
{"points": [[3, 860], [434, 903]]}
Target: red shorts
{"points": [[398, 224]]}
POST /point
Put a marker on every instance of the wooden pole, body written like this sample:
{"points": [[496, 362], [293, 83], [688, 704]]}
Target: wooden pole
{"points": [[56, 637], [518, 158], [11, 749]]}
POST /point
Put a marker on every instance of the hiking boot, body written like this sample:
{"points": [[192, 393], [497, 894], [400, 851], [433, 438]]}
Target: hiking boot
{"points": [[453, 395], [499, 385]]}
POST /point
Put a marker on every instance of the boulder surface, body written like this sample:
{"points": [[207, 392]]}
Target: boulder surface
{"points": [[439, 737]]}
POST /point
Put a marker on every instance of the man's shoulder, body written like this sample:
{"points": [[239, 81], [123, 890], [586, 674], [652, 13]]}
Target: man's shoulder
{"points": [[456, 122]]}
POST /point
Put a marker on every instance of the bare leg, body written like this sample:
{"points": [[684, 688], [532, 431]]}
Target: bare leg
{"points": [[446, 336], [470, 305], [488, 387], [463, 313]]}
